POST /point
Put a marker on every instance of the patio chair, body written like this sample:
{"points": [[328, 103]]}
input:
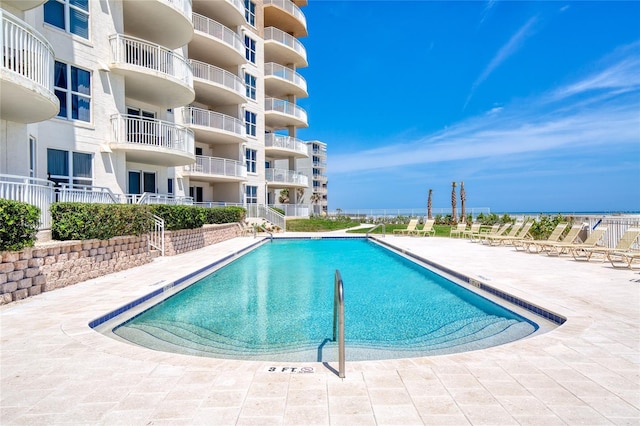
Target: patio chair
{"points": [[626, 242], [500, 231], [624, 259], [458, 230], [572, 237], [560, 248], [410, 228], [478, 235], [475, 229], [535, 246], [523, 234], [426, 231]]}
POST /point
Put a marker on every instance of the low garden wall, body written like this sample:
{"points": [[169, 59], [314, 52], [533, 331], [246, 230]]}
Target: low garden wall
{"points": [[57, 264]]}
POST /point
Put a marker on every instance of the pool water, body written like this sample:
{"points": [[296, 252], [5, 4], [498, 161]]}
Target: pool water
{"points": [[276, 303]]}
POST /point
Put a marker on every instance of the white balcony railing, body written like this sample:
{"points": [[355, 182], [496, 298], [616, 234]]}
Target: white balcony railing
{"points": [[131, 129], [37, 192], [286, 177], [285, 107], [213, 119], [133, 51], [289, 7], [26, 52], [74, 193], [280, 71], [218, 167], [217, 75], [279, 36], [273, 140], [218, 31]]}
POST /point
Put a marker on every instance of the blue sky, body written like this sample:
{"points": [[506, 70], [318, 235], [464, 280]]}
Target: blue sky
{"points": [[534, 105]]}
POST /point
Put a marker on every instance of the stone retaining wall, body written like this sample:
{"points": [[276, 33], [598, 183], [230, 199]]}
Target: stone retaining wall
{"points": [[58, 264], [176, 242]]}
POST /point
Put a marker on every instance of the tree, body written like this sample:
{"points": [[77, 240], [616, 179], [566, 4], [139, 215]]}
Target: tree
{"points": [[429, 205], [284, 196], [463, 199], [454, 212]]}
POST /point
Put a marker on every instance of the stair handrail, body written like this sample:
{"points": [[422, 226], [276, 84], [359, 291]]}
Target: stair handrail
{"points": [[255, 231], [338, 320], [156, 236], [384, 229]]}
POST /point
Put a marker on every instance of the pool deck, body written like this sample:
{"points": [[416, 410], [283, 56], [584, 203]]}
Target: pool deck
{"points": [[56, 370]]}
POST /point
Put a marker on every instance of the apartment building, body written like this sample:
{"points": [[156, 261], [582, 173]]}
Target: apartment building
{"points": [[155, 100], [315, 167]]}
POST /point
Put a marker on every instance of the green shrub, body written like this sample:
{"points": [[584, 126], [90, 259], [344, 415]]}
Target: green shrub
{"points": [[179, 216], [18, 225], [542, 228], [84, 221], [223, 214]]}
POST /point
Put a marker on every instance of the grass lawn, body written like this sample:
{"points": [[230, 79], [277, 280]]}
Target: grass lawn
{"points": [[441, 230], [319, 225]]}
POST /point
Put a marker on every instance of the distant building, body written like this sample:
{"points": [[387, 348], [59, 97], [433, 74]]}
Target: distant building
{"points": [[315, 167], [185, 101]]}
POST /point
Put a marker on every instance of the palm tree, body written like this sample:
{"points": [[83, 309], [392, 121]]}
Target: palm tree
{"points": [[429, 204], [315, 199], [463, 198], [454, 211]]}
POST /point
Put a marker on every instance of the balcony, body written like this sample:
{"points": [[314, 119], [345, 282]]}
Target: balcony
{"points": [[283, 48], [281, 178], [151, 141], [214, 43], [284, 14], [281, 146], [26, 73], [320, 164], [165, 22], [24, 4], [279, 114], [212, 169], [228, 12], [215, 86], [213, 127], [153, 74], [281, 81]]}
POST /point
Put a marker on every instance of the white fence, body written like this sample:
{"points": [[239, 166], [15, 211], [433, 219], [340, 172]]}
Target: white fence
{"points": [[37, 192]]}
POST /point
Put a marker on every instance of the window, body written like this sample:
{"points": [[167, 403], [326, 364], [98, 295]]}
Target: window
{"points": [[250, 12], [140, 181], [170, 186], [250, 83], [251, 195], [196, 192], [32, 156], [251, 155], [73, 89], [69, 167], [250, 49], [250, 122], [71, 16]]}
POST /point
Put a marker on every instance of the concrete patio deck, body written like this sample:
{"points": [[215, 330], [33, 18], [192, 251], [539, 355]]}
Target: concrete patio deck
{"points": [[56, 370]]}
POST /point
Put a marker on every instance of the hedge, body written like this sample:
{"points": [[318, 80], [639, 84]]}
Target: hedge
{"points": [[86, 221], [18, 225], [79, 221]]}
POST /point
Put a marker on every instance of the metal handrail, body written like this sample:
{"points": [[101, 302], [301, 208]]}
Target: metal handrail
{"points": [[384, 229], [338, 320], [255, 231]]}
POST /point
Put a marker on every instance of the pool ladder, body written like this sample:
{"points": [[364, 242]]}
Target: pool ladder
{"points": [[255, 232], [338, 320], [384, 229]]}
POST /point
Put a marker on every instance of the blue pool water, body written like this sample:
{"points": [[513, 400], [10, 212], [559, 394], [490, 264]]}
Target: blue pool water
{"points": [[276, 303]]}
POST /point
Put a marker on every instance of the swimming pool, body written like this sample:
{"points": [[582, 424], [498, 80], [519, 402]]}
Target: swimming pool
{"points": [[276, 303]]}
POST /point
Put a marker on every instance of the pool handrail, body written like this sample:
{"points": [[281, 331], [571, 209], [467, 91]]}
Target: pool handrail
{"points": [[384, 229], [338, 320], [255, 231]]}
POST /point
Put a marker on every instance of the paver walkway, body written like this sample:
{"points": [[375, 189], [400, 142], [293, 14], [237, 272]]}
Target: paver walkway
{"points": [[56, 370]]}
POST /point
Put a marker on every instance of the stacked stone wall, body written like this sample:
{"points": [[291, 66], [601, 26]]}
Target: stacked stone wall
{"points": [[58, 264], [184, 240]]}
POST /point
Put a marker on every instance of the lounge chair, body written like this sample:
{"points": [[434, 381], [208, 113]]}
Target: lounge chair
{"points": [[623, 259], [478, 235], [458, 230], [509, 239], [626, 241], [572, 237], [426, 231], [408, 230], [500, 231], [536, 246], [475, 229], [565, 248]]}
